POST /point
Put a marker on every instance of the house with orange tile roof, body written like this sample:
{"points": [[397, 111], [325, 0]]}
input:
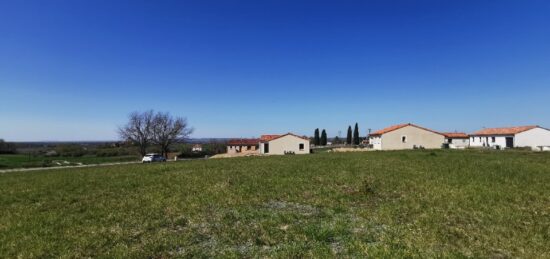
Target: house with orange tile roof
{"points": [[284, 144], [535, 137], [406, 136], [280, 144], [457, 140]]}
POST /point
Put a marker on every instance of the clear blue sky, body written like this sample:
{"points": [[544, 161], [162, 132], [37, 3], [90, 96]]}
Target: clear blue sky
{"points": [[73, 70]]}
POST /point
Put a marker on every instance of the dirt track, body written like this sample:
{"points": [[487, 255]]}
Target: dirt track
{"points": [[80, 166], [63, 167]]}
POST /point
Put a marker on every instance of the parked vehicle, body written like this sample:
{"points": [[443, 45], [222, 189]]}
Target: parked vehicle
{"points": [[150, 158]]}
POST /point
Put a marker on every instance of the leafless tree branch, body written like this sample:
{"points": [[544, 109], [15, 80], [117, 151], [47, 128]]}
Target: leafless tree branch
{"points": [[138, 130], [168, 130]]}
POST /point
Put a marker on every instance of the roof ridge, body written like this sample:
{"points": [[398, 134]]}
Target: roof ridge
{"points": [[282, 135], [505, 130], [399, 126]]}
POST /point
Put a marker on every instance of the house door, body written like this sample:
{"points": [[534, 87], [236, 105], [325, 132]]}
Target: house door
{"points": [[266, 148], [509, 142]]}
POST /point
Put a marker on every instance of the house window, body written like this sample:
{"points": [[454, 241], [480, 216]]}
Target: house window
{"points": [[248, 147], [404, 139], [301, 146], [493, 139], [450, 141]]}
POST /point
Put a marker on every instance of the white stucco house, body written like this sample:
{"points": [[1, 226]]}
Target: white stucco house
{"points": [[457, 140], [196, 148], [535, 137], [405, 136], [284, 144]]}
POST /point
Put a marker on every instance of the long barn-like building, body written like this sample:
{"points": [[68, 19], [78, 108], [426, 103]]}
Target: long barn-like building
{"points": [[534, 137]]}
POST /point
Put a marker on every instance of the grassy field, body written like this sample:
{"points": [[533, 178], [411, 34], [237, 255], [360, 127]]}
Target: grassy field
{"points": [[28, 161], [380, 204]]}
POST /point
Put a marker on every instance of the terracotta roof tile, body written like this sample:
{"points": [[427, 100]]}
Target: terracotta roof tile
{"points": [[263, 138], [502, 131], [455, 135], [388, 129], [398, 126], [267, 138], [244, 141]]}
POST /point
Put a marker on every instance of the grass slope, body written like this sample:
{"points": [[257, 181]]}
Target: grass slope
{"points": [[28, 161], [393, 204]]}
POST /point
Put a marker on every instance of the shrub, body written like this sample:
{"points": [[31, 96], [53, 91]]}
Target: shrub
{"points": [[369, 185], [72, 150], [193, 154], [114, 151]]}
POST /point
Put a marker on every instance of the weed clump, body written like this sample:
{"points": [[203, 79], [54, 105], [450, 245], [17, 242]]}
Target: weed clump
{"points": [[369, 185], [181, 221]]}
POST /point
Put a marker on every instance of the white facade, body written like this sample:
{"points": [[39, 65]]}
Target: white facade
{"points": [[376, 142], [458, 143], [197, 148], [489, 141], [285, 144], [536, 138]]}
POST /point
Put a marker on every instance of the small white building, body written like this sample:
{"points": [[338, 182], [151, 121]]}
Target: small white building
{"points": [[457, 140], [284, 144], [196, 148], [535, 137]]}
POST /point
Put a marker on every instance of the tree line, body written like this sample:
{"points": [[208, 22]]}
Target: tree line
{"points": [[7, 147], [144, 129], [351, 138]]}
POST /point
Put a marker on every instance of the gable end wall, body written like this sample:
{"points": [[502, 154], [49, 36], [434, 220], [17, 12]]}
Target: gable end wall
{"points": [[415, 136]]}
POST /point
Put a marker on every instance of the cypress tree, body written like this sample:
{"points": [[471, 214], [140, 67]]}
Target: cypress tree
{"points": [[348, 138], [323, 138], [316, 141], [356, 135]]}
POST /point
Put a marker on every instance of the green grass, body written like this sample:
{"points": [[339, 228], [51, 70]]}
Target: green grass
{"points": [[378, 204], [29, 161]]}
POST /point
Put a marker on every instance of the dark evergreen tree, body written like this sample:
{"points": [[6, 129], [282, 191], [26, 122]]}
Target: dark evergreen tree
{"points": [[336, 140], [316, 140], [323, 138], [356, 139], [348, 138]]}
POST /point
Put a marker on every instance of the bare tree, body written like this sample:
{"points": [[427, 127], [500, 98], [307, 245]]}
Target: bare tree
{"points": [[138, 130], [168, 130]]}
